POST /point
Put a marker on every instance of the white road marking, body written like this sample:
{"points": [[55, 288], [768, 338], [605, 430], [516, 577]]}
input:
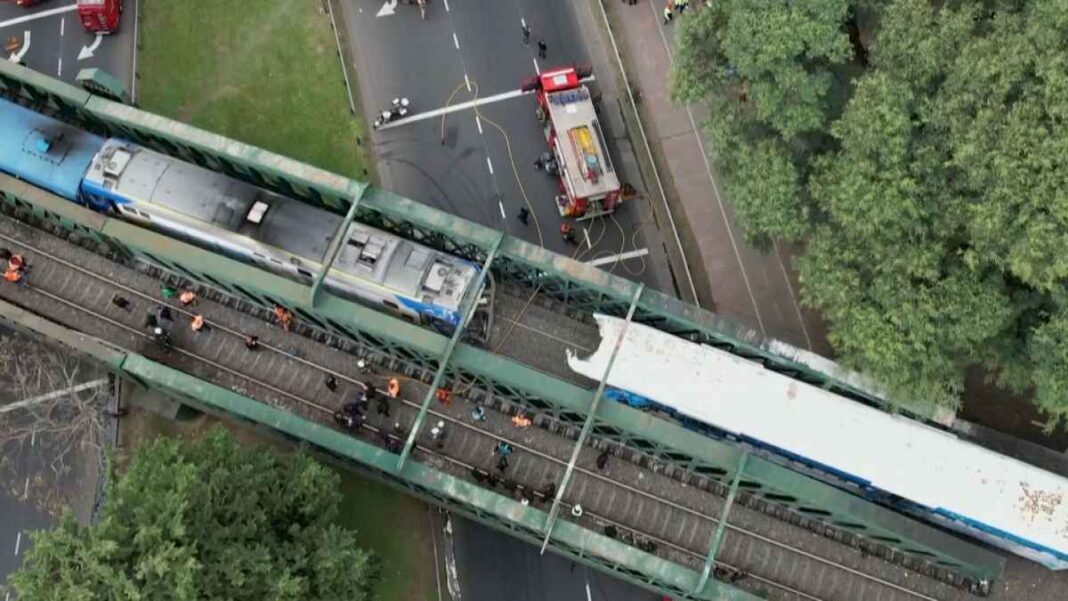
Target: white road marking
{"points": [[523, 21], [7, 596], [489, 164], [35, 16], [53, 395], [537, 69], [464, 106], [17, 57], [634, 254], [59, 71], [87, 51], [33, 436], [467, 81], [501, 205], [446, 5], [455, 40], [26, 489], [62, 26], [18, 542], [387, 10], [586, 234], [478, 123]]}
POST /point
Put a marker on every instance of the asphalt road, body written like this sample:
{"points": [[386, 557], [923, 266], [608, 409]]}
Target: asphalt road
{"points": [[56, 39], [17, 518], [473, 173], [494, 566]]}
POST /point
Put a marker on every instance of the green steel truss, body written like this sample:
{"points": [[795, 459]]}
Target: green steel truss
{"points": [[498, 511], [487, 377]]}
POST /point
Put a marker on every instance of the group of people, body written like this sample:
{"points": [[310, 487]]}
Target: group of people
{"points": [[16, 266], [673, 6]]}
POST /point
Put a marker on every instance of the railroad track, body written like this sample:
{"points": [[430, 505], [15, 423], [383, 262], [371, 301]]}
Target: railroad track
{"points": [[638, 504]]}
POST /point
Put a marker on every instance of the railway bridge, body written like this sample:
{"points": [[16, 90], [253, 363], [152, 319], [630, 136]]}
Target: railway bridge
{"points": [[673, 511]]}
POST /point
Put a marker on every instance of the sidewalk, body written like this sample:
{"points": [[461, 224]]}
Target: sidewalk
{"points": [[755, 288]]}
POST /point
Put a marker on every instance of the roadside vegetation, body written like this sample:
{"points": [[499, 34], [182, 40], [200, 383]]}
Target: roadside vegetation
{"points": [[265, 73], [210, 519], [919, 150]]}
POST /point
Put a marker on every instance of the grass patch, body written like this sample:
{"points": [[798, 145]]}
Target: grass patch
{"points": [[398, 529], [264, 73]]}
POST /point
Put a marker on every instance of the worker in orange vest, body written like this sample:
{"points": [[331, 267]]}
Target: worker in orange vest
{"points": [[187, 297], [198, 323], [521, 421], [444, 396], [393, 388], [13, 276], [284, 317]]}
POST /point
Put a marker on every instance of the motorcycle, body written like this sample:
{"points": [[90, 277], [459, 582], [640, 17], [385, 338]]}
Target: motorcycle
{"points": [[398, 109]]}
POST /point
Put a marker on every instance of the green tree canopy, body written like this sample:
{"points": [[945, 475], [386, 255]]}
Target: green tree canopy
{"points": [[933, 195], [212, 520]]}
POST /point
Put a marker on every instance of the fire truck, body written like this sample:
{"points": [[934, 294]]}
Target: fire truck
{"points": [[589, 184], [100, 16]]}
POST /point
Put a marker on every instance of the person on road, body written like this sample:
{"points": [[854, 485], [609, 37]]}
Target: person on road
{"points": [[543, 50], [521, 421], [198, 324], [502, 463], [567, 233], [526, 35], [331, 383], [13, 275], [252, 342], [18, 263], [120, 302], [668, 14], [393, 388], [187, 298], [444, 396], [602, 460], [524, 215]]}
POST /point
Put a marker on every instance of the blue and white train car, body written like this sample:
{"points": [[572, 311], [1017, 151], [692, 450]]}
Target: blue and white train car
{"points": [[229, 216], [893, 459]]}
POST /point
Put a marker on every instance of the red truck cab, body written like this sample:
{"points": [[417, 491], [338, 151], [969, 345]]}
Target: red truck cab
{"points": [[100, 16]]}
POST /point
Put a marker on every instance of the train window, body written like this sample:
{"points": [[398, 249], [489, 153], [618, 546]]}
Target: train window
{"points": [[274, 260], [304, 272], [391, 305]]}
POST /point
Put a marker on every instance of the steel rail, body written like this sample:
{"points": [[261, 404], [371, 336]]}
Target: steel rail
{"points": [[515, 444]]}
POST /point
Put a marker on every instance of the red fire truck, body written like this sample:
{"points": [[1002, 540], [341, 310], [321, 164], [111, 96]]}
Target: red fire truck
{"points": [[100, 16], [589, 184]]}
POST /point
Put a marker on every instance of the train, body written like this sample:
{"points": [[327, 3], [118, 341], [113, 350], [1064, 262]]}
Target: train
{"points": [[893, 460], [223, 214]]}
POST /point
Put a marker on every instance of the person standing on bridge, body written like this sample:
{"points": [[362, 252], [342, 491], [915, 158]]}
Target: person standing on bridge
{"points": [[503, 449], [120, 302], [524, 215], [330, 382], [381, 403], [437, 434], [602, 460], [668, 14], [543, 50], [198, 325]]}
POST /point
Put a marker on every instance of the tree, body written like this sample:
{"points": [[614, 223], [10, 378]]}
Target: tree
{"points": [[211, 520], [932, 198], [56, 404]]}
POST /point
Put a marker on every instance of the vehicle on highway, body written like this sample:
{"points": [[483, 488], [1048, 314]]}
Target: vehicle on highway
{"points": [[100, 16], [589, 183], [398, 109], [891, 459], [229, 216]]}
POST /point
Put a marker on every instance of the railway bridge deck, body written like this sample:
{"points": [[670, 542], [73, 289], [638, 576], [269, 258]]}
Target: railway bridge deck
{"points": [[663, 513]]}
